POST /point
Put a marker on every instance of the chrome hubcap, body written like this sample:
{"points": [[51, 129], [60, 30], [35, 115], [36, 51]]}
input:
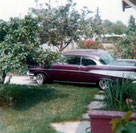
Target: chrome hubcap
{"points": [[104, 84], [39, 79]]}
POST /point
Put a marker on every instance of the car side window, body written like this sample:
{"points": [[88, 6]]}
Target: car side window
{"points": [[87, 62], [73, 60]]}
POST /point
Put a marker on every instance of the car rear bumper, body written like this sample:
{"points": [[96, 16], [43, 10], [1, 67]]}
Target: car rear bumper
{"points": [[31, 75]]}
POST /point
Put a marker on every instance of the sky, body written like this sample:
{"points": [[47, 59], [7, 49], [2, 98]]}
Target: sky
{"points": [[109, 9]]}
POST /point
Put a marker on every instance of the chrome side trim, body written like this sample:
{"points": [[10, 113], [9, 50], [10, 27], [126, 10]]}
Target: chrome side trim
{"points": [[64, 70], [37, 69], [73, 82], [121, 74]]}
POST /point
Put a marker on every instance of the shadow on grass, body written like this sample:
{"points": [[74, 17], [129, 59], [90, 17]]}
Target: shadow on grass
{"points": [[25, 97], [81, 85]]}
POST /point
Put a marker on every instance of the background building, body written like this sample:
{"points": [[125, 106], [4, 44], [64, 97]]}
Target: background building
{"points": [[129, 4]]}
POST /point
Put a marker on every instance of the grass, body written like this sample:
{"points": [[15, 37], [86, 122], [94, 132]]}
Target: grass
{"points": [[36, 107]]}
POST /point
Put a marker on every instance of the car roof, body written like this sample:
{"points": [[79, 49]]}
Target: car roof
{"points": [[93, 53]]}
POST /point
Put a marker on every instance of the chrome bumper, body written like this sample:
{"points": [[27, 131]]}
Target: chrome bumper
{"points": [[31, 75]]}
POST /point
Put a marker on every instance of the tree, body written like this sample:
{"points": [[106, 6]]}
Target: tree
{"points": [[127, 47], [132, 25], [85, 25], [97, 26], [59, 25], [21, 47], [116, 28], [3, 30], [107, 24], [119, 28]]}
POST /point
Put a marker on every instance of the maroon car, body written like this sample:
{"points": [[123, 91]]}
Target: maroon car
{"points": [[87, 66]]}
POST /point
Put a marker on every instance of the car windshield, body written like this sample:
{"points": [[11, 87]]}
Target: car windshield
{"points": [[106, 59]]}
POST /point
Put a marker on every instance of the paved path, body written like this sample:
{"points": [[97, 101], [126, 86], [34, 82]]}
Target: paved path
{"points": [[72, 127], [94, 105], [80, 126], [21, 80]]}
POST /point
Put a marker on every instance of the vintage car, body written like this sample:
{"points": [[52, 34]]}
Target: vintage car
{"points": [[86, 66]]}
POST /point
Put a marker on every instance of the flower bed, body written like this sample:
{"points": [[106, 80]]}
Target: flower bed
{"points": [[118, 99]]}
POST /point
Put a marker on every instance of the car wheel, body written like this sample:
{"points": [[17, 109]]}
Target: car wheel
{"points": [[40, 78], [105, 83]]}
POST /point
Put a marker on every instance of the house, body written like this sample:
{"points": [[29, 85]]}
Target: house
{"points": [[128, 4]]}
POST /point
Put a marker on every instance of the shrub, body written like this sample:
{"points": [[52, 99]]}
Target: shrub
{"points": [[126, 50], [6, 96], [124, 125], [116, 96], [90, 44]]}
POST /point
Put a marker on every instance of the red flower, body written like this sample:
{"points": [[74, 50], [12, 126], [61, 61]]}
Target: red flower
{"points": [[88, 43]]}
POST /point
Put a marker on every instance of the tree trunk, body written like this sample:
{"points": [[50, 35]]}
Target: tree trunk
{"points": [[61, 47], [3, 76]]}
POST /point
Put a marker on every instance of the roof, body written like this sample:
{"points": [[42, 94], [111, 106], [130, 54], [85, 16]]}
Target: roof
{"points": [[128, 4], [114, 35], [93, 53]]}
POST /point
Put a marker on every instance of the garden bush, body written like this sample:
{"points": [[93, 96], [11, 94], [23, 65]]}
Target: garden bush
{"points": [[120, 96], [127, 47], [90, 44], [6, 95], [124, 125]]}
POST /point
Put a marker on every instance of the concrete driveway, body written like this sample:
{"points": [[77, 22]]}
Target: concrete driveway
{"points": [[21, 80]]}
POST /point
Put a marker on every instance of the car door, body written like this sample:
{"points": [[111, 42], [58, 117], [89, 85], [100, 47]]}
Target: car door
{"points": [[67, 71], [87, 65]]}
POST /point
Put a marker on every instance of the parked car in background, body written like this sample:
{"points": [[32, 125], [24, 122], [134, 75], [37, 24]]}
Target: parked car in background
{"points": [[86, 66]]}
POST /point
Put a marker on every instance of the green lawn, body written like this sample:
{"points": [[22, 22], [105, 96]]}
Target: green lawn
{"points": [[36, 107]]}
